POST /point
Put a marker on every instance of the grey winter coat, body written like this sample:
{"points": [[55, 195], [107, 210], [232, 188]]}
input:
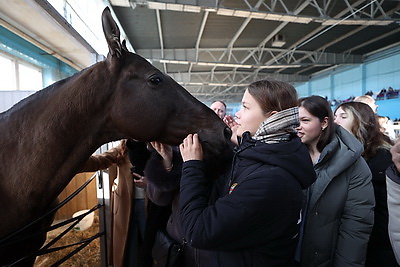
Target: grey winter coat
{"points": [[340, 206]]}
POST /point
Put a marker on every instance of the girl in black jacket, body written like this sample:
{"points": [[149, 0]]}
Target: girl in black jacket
{"points": [[255, 222]]}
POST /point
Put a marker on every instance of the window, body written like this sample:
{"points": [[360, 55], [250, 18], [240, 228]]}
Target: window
{"points": [[19, 75], [30, 78], [7, 77]]}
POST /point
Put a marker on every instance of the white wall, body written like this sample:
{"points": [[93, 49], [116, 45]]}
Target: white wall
{"points": [[9, 98]]}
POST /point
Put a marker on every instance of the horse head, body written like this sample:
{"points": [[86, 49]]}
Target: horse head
{"points": [[150, 105]]}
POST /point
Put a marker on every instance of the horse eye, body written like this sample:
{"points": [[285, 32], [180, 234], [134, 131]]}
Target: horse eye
{"points": [[155, 80]]}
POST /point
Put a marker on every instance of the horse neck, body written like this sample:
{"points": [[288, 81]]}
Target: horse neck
{"points": [[72, 110], [54, 131]]}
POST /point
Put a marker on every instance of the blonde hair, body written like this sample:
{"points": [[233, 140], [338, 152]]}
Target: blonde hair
{"points": [[366, 127]]}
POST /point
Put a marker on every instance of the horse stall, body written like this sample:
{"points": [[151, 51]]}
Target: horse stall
{"points": [[94, 193], [86, 199]]}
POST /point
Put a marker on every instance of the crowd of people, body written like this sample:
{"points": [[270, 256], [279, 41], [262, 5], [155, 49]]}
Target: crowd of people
{"points": [[299, 185], [383, 94], [387, 94]]}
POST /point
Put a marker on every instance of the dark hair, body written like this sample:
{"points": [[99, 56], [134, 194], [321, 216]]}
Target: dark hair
{"points": [[273, 95], [220, 101], [366, 127], [320, 108]]}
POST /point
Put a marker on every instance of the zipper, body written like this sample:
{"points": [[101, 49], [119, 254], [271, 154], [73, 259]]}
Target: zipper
{"points": [[240, 149]]}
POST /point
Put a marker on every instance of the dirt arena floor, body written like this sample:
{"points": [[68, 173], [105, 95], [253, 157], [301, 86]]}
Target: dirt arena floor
{"points": [[87, 257]]}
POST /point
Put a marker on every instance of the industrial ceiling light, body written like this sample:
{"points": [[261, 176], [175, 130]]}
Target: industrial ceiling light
{"points": [[356, 22], [172, 6], [175, 7], [124, 3], [279, 66], [190, 8], [156, 5], [169, 61], [278, 40]]}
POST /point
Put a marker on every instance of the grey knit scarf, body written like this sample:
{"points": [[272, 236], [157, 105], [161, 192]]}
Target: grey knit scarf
{"points": [[278, 127]]}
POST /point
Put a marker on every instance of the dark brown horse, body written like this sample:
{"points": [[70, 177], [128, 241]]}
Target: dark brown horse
{"points": [[46, 137]]}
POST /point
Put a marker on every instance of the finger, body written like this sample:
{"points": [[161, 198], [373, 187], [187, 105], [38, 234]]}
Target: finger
{"points": [[186, 141], [137, 175], [196, 139]]}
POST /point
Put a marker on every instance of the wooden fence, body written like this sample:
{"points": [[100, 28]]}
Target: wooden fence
{"points": [[86, 199]]}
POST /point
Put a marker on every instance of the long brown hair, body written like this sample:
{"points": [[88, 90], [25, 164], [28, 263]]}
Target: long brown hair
{"points": [[273, 95], [320, 108], [366, 127]]}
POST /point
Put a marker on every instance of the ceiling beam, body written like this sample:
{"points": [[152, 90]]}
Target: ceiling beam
{"points": [[207, 86], [362, 18], [208, 56]]}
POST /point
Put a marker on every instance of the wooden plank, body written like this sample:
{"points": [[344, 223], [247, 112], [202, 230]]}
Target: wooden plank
{"points": [[86, 199]]}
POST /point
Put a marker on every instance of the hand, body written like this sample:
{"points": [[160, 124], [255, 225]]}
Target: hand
{"points": [[141, 182], [396, 155], [233, 125], [165, 152], [191, 148]]}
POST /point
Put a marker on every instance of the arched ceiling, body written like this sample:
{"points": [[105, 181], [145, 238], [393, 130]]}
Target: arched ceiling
{"points": [[214, 48]]}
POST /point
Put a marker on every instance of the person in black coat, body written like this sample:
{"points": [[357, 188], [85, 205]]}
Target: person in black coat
{"points": [[255, 221]]}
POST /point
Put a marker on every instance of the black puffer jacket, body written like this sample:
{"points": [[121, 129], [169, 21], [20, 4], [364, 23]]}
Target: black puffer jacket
{"points": [[256, 221]]}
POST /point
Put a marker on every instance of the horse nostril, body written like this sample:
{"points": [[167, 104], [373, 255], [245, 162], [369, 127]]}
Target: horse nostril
{"points": [[227, 133]]}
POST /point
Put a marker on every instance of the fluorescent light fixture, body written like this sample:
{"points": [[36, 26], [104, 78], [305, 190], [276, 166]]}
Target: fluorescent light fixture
{"points": [[174, 7], [203, 63], [357, 22], [182, 62], [271, 16], [241, 13], [190, 8], [298, 19], [210, 9], [216, 64], [124, 3], [216, 84], [277, 66], [257, 15], [156, 5], [225, 11]]}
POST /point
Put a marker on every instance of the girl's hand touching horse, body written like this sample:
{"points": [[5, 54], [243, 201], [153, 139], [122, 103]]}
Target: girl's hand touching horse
{"points": [[165, 152], [191, 148], [233, 125]]}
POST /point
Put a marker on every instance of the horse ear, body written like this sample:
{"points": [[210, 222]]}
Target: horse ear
{"points": [[124, 45], [111, 32]]}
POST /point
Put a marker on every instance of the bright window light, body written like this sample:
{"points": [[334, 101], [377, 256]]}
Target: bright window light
{"points": [[30, 78], [7, 78]]}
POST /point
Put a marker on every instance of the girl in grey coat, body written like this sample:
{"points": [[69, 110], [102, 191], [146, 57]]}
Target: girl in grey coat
{"points": [[339, 210]]}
